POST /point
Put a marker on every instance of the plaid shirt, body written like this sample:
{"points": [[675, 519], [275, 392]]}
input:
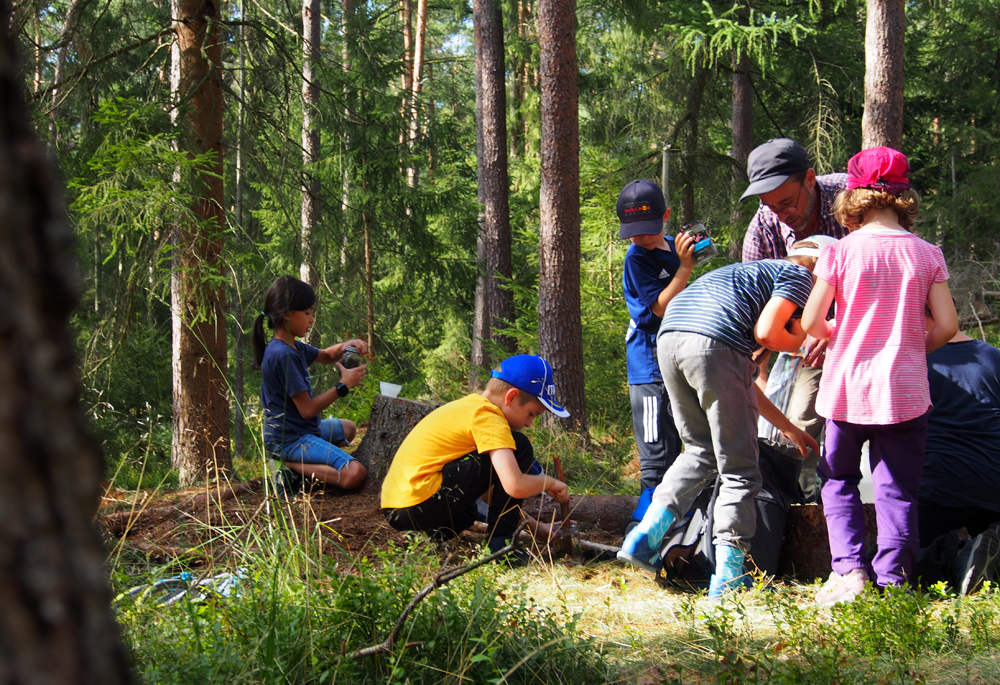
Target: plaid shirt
{"points": [[768, 238]]}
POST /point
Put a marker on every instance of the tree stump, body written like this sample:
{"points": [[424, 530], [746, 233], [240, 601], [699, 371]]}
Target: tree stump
{"points": [[806, 552], [392, 419]]}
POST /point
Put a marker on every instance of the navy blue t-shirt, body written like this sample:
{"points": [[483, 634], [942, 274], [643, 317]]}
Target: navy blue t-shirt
{"points": [[962, 464], [285, 372], [725, 304], [646, 274]]}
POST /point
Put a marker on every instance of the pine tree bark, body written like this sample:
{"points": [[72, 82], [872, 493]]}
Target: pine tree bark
{"points": [[742, 139], [56, 621], [311, 21], [689, 151], [494, 303], [882, 123], [417, 84], [560, 335], [200, 400]]}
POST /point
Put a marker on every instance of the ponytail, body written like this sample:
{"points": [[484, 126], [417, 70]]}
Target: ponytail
{"points": [[286, 294]]}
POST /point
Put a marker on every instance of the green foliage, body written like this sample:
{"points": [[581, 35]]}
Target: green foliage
{"points": [[298, 624]]}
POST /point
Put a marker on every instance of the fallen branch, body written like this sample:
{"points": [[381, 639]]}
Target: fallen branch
{"points": [[526, 537], [445, 575]]}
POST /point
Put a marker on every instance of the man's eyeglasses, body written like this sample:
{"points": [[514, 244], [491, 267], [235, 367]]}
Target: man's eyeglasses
{"points": [[788, 207]]}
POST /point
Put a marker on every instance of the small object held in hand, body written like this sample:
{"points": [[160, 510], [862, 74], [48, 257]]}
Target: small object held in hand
{"points": [[568, 529], [704, 248], [351, 358]]}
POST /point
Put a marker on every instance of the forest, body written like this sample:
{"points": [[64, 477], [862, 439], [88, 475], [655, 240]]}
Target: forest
{"points": [[346, 151], [444, 174]]}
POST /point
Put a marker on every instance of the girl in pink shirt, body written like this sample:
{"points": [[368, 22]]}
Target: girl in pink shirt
{"points": [[874, 384]]}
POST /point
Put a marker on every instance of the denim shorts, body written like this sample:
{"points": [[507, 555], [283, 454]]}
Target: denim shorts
{"points": [[310, 449]]}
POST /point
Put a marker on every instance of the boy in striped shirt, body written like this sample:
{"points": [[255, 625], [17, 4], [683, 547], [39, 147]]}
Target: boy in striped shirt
{"points": [[706, 349]]}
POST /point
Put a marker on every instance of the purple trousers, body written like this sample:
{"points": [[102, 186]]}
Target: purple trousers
{"points": [[896, 456]]}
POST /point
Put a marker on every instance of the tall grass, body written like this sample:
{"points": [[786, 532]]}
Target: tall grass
{"points": [[300, 614]]}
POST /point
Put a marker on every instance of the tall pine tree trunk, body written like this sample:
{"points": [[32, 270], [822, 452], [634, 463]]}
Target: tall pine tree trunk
{"points": [[494, 303], [239, 396], [200, 400], [882, 123], [311, 21], [417, 84], [56, 621], [742, 140], [689, 151], [560, 336]]}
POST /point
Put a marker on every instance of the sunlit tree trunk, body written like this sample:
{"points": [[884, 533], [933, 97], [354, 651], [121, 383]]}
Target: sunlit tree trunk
{"points": [[882, 123], [560, 337], [417, 84], [347, 139], [239, 396], [56, 621], [311, 21], [494, 303], [200, 399]]}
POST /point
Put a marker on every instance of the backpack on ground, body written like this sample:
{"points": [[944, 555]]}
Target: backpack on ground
{"points": [[688, 553]]}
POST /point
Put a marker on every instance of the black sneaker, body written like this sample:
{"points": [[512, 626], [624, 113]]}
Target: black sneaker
{"points": [[979, 560], [287, 483]]}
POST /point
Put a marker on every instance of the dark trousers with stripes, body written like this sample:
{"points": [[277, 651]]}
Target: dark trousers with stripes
{"points": [[655, 434]]}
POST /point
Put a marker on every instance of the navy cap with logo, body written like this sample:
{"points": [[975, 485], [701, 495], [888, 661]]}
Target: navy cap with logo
{"points": [[533, 375], [640, 209], [769, 165]]}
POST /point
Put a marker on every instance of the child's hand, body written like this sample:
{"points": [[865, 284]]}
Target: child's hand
{"points": [[684, 243], [802, 440], [815, 352], [558, 491], [352, 378], [360, 345]]}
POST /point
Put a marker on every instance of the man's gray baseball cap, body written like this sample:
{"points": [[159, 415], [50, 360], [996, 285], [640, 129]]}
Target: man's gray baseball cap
{"points": [[769, 165]]}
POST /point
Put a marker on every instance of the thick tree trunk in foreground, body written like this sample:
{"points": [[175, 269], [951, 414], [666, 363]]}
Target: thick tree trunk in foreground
{"points": [[201, 407], [56, 623], [494, 303], [560, 336], [882, 123]]}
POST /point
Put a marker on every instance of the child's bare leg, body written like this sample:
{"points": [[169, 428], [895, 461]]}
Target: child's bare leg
{"points": [[351, 476], [350, 430]]}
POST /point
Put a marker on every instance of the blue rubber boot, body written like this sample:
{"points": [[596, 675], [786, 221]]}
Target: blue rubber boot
{"points": [[728, 574], [642, 545]]}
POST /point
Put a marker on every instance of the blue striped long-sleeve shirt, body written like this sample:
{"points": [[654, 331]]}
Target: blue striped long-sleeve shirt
{"points": [[724, 304]]}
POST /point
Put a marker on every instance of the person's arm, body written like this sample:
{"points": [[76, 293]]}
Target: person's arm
{"points": [[312, 406], [945, 317], [814, 315], [684, 245], [333, 353], [762, 360], [770, 330], [802, 440], [520, 485]]}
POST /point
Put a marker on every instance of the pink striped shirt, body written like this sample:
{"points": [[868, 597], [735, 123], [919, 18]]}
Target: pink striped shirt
{"points": [[876, 366]]}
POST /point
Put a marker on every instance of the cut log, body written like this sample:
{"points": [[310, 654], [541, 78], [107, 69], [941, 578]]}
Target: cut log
{"points": [[391, 420], [806, 552], [609, 513]]}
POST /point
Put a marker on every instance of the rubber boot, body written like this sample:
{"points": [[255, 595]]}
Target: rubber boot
{"points": [[642, 545], [728, 571]]}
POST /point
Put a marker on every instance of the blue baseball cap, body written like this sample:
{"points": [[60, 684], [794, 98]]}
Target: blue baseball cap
{"points": [[533, 375]]}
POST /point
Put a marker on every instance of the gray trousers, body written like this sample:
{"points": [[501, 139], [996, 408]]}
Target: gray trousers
{"points": [[715, 409]]}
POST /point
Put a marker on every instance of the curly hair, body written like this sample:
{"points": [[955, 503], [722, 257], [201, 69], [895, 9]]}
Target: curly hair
{"points": [[851, 205]]}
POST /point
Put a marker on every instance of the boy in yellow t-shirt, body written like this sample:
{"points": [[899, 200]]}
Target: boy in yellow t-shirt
{"points": [[460, 450]]}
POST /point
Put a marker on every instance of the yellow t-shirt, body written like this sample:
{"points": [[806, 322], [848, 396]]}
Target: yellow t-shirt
{"points": [[471, 424]]}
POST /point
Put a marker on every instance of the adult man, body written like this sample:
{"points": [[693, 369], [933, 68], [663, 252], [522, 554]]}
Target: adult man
{"points": [[959, 498], [795, 204]]}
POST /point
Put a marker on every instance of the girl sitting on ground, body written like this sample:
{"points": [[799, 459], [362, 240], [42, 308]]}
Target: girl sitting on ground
{"points": [[293, 430]]}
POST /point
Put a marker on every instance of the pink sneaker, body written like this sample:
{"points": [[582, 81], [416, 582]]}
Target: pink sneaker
{"points": [[842, 588]]}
